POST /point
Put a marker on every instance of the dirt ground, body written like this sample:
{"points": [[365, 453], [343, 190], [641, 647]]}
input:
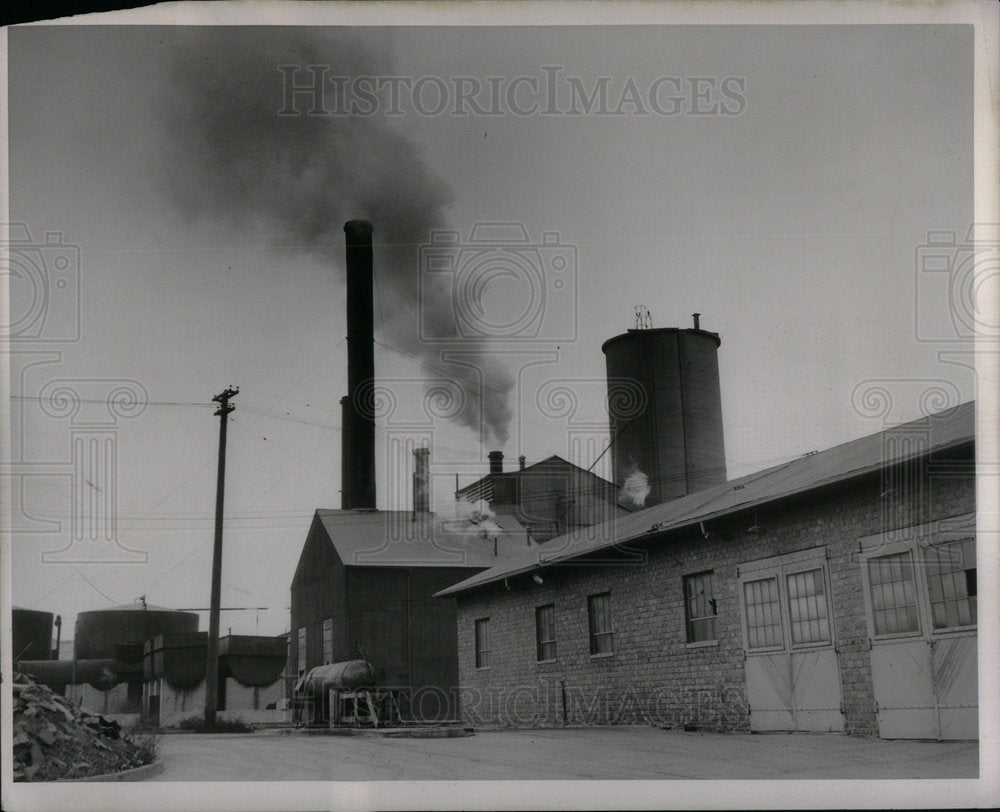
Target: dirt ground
{"points": [[594, 753]]}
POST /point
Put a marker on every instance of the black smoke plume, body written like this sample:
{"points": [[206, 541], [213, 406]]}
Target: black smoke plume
{"points": [[295, 179]]}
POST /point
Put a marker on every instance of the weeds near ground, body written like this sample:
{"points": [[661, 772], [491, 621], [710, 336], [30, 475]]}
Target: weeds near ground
{"points": [[147, 745]]}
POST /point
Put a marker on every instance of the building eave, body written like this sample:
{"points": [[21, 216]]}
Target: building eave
{"points": [[657, 530]]}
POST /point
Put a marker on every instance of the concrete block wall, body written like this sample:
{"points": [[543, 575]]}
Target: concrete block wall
{"points": [[654, 677], [114, 701], [177, 704], [242, 702], [241, 697]]}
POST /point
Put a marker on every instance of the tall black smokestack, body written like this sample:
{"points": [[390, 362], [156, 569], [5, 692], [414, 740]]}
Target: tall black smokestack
{"points": [[357, 457]]}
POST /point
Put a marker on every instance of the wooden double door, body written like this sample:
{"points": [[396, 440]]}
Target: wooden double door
{"points": [[792, 670], [920, 599]]}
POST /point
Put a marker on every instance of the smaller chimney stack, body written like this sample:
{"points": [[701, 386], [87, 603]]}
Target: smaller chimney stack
{"points": [[696, 316], [521, 461], [496, 462], [421, 480]]}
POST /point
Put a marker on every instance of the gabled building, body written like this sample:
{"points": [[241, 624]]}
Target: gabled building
{"points": [[835, 592], [364, 587], [549, 498]]}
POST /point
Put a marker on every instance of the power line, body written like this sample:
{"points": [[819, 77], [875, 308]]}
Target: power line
{"points": [[107, 544], [40, 399], [96, 588]]}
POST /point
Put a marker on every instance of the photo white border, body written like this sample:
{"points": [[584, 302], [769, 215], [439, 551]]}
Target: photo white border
{"points": [[984, 16]]}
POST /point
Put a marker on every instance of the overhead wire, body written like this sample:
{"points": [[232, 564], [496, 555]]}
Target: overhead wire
{"points": [[93, 558]]}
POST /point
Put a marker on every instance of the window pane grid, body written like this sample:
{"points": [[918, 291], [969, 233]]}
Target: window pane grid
{"points": [[302, 649], [894, 597], [483, 643], [699, 607], [763, 619], [545, 626], [807, 609], [328, 641], [951, 582], [599, 613]]}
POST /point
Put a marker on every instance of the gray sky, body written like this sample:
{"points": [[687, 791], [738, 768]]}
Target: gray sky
{"points": [[209, 231]]}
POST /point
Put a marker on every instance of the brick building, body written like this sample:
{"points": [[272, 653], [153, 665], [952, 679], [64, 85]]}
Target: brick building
{"points": [[835, 592]]}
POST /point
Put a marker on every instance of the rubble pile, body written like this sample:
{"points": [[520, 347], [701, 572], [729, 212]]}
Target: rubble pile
{"points": [[54, 740]]}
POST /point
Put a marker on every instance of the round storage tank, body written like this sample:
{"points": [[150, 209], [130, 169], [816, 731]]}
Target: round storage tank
{"points": [[100, 633], [666, 413], [31, 634]]}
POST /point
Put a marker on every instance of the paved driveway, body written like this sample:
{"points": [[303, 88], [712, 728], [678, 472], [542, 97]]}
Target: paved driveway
{"points": [[595, 753]]}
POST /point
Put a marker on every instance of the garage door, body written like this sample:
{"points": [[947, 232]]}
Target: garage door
{"points": [[921, 606], [792, 673]]}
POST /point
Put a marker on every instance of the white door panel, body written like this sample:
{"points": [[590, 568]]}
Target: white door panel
{"points": [[816, 683], [769, 693], [957, 684], [901, 675]]}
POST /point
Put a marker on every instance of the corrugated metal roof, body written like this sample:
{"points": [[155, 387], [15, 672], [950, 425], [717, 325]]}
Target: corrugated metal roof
{"points": [[394, 538], [483, 488], [955, 426], [480, 489]]}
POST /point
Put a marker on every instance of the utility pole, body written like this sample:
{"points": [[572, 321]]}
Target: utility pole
{"points": [[212, 665]]}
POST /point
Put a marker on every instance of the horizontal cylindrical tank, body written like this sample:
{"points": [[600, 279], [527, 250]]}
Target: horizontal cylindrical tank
{"points": [[665, 410], [351, 675], [99, 633], [31, 634], [101, 674]]}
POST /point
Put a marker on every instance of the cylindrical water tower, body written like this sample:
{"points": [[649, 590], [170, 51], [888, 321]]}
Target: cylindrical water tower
{"points": [[99, 634], [31, 634], [666, 413]]}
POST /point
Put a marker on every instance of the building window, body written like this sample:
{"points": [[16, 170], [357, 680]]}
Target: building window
{"points": [[951, 582], [545, 631], [699, 607], [328, 641], [894, 594], [302, 650], [807, 607], [483, 643], [762, 613], [599, 614]]}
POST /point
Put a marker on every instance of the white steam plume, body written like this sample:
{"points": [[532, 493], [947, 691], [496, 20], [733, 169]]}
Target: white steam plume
{"points": [[471, 518], [636, 487]]}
